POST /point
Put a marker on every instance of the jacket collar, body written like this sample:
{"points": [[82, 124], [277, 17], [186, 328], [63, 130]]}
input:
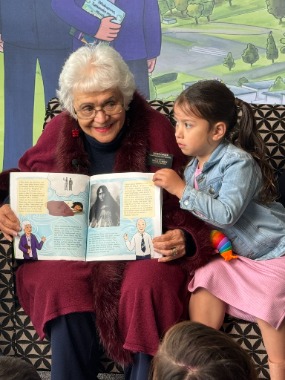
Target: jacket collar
{"points": [[215, 157]]}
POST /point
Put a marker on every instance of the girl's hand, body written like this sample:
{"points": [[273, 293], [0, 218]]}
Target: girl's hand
{"points": [[170, 181], [171, 245], [9, 223]]}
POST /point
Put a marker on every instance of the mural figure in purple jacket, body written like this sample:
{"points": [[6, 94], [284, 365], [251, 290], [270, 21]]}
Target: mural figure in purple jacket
{"points": [[29, 243], [30, 34], [137, 38]]}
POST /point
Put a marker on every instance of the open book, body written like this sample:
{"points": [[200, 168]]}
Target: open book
{"points": [[77, 217]]}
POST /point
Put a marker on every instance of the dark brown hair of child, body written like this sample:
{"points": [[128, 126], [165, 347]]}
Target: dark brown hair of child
{"points": [[14, 368], [213, 101], [193, 351]]}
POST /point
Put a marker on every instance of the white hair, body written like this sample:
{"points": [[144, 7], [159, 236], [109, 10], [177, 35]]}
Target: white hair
{"points": [[25, 223], [94, 68]]}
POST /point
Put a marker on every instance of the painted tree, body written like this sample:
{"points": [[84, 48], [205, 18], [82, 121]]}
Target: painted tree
{"points": [[181, 6], [278, 84], [242, 81], [276, 8], [171, 4], [250, 54], [195, 11], [165, 6], [229, 61], [208, 9], [271, 49], [282, 40]]}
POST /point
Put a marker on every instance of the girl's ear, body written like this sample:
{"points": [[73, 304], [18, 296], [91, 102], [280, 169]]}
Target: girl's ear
{"points": [[219, 131]]}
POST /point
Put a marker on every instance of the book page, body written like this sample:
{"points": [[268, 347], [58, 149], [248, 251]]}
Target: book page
{"points": [[125, 215], [53, 213]]}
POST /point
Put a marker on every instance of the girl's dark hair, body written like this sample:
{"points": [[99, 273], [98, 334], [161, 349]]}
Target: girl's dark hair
{"points": [[193, 351], [213, 101]]}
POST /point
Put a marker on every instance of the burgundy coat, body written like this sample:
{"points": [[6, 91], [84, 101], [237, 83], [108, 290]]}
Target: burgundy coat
{"points": [[124, 294]]}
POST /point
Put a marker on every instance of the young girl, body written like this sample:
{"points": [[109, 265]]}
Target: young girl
{"points": [[229, 184]]}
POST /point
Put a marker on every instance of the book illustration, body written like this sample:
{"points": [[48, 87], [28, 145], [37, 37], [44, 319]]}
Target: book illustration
{"points": [[59, 208], [105, 210], [137, 197], [76, 207], [51, 202], [82, 217], [141, 242], [64, 208], [29, 243], [68, 182]]}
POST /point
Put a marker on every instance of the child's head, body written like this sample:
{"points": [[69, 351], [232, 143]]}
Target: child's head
{"points": [[193, 351], [205, 113], [220, 116], [12, 368], [211, 100]]}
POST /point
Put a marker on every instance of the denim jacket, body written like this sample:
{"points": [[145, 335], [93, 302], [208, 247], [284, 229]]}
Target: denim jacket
{"points": [[227, 199]]}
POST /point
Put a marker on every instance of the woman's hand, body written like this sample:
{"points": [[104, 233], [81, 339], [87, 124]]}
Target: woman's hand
{"points": [[170, 181], [171, 245], [9, 223]]}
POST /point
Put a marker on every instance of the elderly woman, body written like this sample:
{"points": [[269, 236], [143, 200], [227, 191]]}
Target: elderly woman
{"points": [[107, 127]]}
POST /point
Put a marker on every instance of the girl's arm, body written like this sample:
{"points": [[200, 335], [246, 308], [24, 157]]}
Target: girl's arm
{"points": [[223, 200]]}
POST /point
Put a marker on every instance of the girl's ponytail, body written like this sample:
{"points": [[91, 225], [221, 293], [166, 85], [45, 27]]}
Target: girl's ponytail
{"points": [[247, 137]]}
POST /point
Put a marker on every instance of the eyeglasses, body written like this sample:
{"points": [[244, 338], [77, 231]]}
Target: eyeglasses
{"points": [[89, 112]]}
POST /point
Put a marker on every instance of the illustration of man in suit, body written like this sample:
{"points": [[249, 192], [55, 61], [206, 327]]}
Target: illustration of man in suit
{"points": [[29, 244], [141, 242], [137, 38], [30, 32]]}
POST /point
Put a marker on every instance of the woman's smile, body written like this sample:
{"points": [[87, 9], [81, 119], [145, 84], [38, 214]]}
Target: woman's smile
{"points": [[103, 129]]}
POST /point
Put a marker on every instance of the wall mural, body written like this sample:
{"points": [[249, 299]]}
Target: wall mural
{"points": [[168, 44], [241, 42]]}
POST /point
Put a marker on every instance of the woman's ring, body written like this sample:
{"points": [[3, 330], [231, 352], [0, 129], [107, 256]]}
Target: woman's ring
{"points": [[174, 251]]}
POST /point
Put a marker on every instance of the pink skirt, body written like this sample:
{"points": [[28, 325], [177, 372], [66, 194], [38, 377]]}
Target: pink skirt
{"points": [[250, 289]]}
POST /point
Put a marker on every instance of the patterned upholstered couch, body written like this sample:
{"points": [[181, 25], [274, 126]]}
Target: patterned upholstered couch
{"points": [[17, 336]]}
